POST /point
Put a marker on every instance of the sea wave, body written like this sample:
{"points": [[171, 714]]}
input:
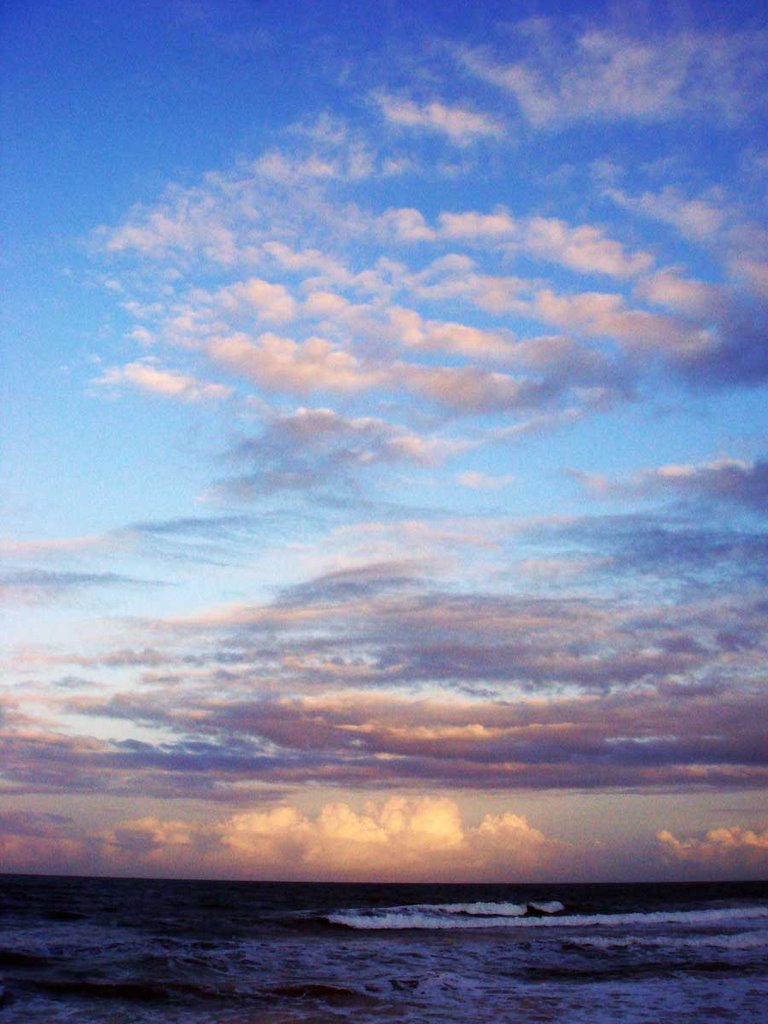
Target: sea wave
{"points": [[744, 940], [446, 916]]}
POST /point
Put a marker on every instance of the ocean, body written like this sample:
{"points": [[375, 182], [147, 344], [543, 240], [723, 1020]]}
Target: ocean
{"points": [[122, 951]]}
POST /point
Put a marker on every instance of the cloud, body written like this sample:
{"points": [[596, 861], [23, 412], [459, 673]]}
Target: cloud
{"points": [[284, 365], [585, 249], [753, 272], [40, 842], [320, 448], [25, 585], [734, 848], [603, 75], [407, 225], [54, 546], [259, 298], [472, 225], [453, 338], [696, 219], [359, 739], [332, 161], [146, 376], [185, 539], [302, 260], [606, 315], [187, 222], [399, 839], [483, 481], [396, 839], [733, 481], [460, 124], [468, 389], [358, 582], [680, 555], [688, 296]]}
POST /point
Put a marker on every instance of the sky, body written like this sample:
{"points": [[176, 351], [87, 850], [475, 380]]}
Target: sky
{"points": [[385, 449]]}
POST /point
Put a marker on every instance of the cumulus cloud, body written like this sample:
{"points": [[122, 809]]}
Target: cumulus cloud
{"points": [[473, 225], [396, 839], [585, 249], [399, 839], [266, 301], [307, 260], [296, 367], [733, 847]]}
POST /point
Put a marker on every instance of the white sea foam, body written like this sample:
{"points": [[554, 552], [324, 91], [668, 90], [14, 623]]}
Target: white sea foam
{"points": [[470, 909], [435, 917], [739, 940]]}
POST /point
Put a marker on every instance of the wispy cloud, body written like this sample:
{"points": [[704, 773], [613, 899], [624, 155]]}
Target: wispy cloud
{"points": [[459, 123], [697, 219], [733, 481], [44, 584], [604, 75], [148, 377], [317, 448]]}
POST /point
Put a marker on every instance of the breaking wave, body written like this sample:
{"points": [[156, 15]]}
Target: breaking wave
{"points": [[531, 915]]}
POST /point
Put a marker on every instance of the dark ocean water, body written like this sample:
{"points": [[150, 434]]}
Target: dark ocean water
{"points": [[122, 951]]}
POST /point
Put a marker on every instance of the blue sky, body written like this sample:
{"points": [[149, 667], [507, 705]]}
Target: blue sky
{"points": [[385, 440]]}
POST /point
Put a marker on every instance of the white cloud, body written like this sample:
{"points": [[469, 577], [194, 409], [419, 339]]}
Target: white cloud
{"points": [[584, 248], [483, 481], [282, 364], [306, 260], [460, 124], [146, 376], [188, 222], [270, 302], [605, 314], [470, 224], [695, 219], [606, 75], [407, 225]]}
